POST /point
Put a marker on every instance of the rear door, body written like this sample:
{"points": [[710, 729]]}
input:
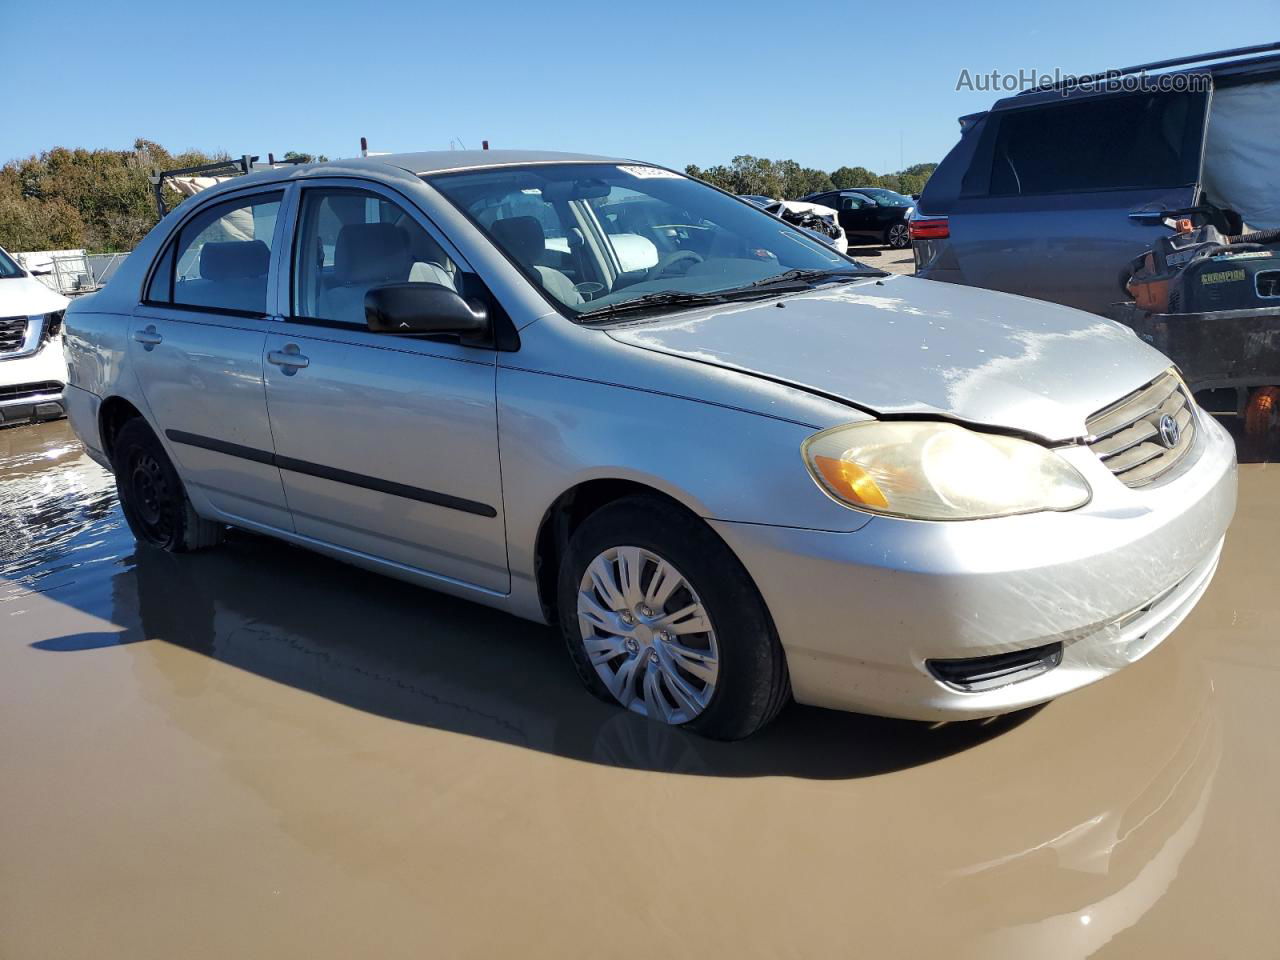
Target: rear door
{"points": [[1064, 192], [196, 345], [388, 445]]}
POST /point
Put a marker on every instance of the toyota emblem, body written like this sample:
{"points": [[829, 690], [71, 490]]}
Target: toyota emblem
{"points": [[1169, 431]]}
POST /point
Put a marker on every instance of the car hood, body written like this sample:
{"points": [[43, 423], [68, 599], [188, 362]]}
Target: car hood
{"points": [[24, 296], [903, 346]]}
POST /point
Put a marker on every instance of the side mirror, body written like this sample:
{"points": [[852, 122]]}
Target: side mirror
{"points": [[422, 308]]}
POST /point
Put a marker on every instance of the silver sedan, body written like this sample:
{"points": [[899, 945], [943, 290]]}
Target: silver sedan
{"points": [[732, 465]]}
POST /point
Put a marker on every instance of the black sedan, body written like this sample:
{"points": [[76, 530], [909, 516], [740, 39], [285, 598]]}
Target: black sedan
{"points": [[870, 213]]}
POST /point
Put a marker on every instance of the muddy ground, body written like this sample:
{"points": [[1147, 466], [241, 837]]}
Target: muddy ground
{"points": [[256, 752]]}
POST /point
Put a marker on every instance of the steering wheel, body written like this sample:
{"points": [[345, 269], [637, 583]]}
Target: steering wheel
{"points": [[660, 268]]}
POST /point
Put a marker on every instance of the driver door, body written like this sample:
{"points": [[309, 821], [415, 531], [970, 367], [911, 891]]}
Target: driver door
{"points": [[857, 215]]}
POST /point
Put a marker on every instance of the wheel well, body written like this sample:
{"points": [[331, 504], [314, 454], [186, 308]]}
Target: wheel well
{"points": [[565, 516], [114, 414]]}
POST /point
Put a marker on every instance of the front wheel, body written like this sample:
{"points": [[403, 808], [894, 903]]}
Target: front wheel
{"points": [[154, 502], [898, 236], [661, 618]]}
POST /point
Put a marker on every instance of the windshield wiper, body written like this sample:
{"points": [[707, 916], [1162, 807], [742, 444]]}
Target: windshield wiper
{"points": [[792, 281], [659, 298], [802, 275]]}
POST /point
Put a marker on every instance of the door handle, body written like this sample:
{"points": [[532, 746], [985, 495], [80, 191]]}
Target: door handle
{"points": [[289, 360], [1156, 215], [148, 337]]}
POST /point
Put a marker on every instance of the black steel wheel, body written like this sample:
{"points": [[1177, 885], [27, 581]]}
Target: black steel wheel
{"points": [[152, 496]]}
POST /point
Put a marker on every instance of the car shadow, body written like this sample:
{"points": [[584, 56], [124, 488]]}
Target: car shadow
{"points": [[1252, 449], [412, 655]]}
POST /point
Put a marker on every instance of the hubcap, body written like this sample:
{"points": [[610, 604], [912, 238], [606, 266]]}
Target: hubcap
{"points": [[648, 635], [898, 235]]}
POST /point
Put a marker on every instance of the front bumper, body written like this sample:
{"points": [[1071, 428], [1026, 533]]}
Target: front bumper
{"points": [[31, 387], [861, 614]]}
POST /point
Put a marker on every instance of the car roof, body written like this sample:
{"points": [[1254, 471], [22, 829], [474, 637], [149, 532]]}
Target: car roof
{"points": [[442, 161], [400, 165], [1225, 73]]}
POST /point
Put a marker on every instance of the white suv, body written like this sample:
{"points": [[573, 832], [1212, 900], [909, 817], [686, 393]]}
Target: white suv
{"points": [[32, 369]]}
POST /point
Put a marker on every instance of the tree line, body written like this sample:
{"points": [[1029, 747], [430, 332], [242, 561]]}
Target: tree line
{"points": [[99, 200], [102, 200], [787, 179]]}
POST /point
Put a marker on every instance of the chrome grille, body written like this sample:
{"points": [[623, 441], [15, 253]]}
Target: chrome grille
{"points": [[1127, 435], [13, 333], [25, 391]]}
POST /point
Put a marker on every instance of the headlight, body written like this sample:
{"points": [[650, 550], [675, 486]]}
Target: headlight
{"points": [[940, 471]]}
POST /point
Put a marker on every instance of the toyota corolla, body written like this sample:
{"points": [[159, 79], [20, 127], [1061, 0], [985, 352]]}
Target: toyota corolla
{"points": [[733, 466]]}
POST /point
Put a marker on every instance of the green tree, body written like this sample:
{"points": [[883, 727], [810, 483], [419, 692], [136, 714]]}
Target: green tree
{"points": [[747, 174], [39, 225], [846, 177], [98, 199], [293, 156]]}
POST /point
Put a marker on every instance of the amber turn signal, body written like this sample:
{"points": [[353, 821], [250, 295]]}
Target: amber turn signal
{"points": [[850, 481]]}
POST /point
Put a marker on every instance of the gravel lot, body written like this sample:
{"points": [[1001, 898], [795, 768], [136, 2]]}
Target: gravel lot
{"points": [[885, 258], [256, 752]]}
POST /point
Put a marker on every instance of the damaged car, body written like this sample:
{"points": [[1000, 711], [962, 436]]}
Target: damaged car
{"points": [[731, 466], [813, 217]]}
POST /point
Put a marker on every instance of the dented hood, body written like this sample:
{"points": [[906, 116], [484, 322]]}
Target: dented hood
{"points": [[903, 346]]}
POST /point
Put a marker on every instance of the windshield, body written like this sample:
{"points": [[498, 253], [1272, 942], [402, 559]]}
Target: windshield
{"points": [[600, 237], [887, 198], [9, 269]]}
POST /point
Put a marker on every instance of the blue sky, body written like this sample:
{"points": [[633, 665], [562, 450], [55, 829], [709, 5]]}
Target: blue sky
{"points": [[690, 82]]}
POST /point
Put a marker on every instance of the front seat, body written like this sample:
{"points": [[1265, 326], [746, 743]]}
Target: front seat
{"points": [[365, 255], [523, 238]]}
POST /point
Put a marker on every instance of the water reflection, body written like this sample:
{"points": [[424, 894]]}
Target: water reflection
{"points": [[1049, 834]]}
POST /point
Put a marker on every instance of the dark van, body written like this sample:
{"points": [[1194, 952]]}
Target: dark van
{"points": [[1052, 192]]}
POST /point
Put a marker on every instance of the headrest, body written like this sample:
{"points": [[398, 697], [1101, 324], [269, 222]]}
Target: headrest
{"points": [[371, 252], [522, 237], [234, 259]]}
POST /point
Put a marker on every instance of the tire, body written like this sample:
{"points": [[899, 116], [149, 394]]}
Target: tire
{"points": [[897, 236], [152, 496], [740, 650]]}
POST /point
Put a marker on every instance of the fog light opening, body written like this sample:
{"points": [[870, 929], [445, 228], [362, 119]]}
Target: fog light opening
{"points": [[980, 674]]}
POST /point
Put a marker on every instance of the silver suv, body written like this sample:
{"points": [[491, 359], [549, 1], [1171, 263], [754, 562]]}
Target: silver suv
{"points": [[729, 463]]}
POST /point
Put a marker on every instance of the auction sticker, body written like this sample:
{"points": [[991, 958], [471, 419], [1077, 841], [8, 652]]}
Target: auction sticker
{"points": [[649, 173]]}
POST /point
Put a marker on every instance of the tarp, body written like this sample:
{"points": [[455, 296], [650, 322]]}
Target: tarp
{"points": [[190, 186], [1242, 153], [237, 225]]}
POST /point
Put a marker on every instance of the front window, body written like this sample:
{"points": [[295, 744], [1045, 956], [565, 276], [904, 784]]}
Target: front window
{"points": [[350, 241], [600, 238], [8, 268]]}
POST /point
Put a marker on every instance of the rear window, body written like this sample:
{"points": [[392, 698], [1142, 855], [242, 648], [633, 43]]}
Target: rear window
{"points": [[1110, 143], [220, 259]]}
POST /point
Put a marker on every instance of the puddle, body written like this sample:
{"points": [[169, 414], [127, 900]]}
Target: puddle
{"points": [[256, 751]]}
